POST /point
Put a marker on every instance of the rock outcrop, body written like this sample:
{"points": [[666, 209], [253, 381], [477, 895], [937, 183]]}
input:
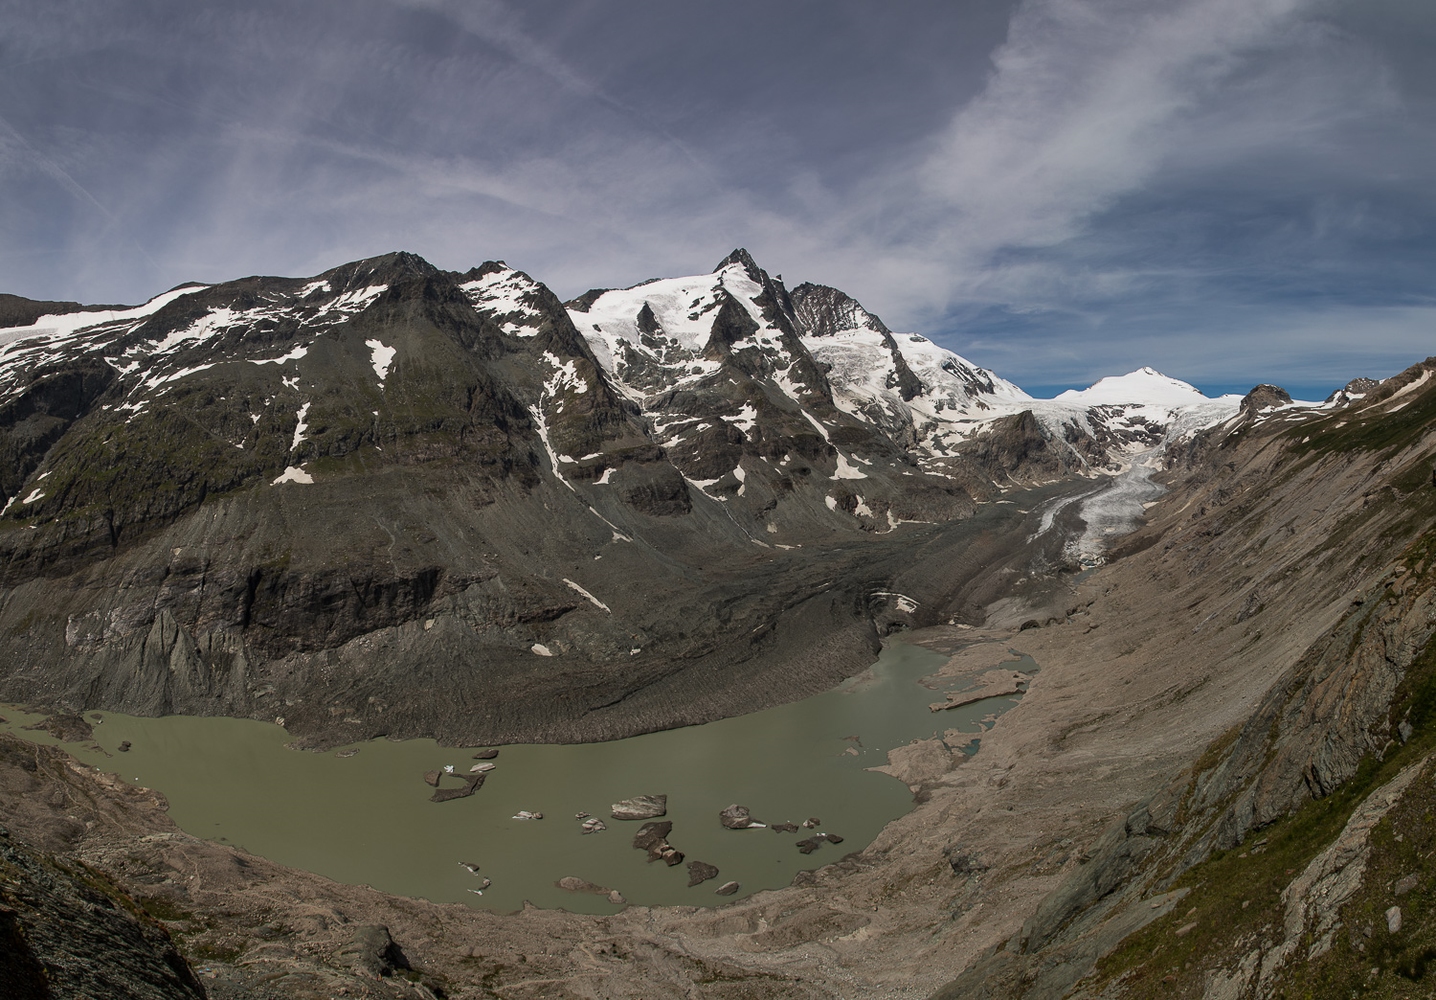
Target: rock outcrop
{"points": [[66, 931]]}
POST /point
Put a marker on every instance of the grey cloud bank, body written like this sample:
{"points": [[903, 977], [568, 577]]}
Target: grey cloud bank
{"points": [[1228, 190]]}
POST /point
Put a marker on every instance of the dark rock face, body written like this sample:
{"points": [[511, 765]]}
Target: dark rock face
{"points": [[1263, 397], [824, 311], [1018, 446], [65, 932]]}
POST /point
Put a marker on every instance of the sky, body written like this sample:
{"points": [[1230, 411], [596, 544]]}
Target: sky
{"points": [[1231, 191]]}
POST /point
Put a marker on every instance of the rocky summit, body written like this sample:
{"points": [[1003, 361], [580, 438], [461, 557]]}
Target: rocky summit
{"points": [[391, 499]]}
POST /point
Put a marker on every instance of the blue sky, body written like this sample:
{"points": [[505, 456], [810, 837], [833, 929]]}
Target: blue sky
{"points": [[1232, 191]]}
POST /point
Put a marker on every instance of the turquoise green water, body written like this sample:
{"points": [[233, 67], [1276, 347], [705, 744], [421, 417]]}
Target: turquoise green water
{"points": [[366, 818]]}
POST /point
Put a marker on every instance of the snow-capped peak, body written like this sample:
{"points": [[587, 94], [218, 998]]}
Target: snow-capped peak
{"points": [[64, 324], [1145, 386]]}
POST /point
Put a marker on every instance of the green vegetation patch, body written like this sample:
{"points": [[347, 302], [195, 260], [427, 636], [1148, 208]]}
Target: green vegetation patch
{"points": [[165, 908], [1367, 958], [1235, 906], [1371, 429]]}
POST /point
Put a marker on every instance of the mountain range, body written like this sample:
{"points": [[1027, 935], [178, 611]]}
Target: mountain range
{"points": [[394, 499]]}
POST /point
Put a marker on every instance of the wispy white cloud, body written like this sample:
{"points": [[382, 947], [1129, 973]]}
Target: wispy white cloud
{"points": [[1082, 107]]}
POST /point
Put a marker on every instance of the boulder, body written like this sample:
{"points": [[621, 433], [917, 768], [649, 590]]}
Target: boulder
{"points": [[472, 782], [737, 817], [652, 833], [370, 949], [726, 889], [653, 838], [641, 807], [699, 872]]}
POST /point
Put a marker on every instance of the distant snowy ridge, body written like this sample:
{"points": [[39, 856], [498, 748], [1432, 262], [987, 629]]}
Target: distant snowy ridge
{"points": [[659, 335]]}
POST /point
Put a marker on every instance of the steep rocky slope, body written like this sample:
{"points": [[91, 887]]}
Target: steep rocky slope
{"points": [[67, 930], [394, 499], [1295, 576]]}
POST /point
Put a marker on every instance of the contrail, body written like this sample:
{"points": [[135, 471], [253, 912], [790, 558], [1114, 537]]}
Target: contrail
{"points": [[60, 176]]}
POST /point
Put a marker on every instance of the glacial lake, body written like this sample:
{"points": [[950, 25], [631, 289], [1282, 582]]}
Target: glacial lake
{"points": [[367, 819]]}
